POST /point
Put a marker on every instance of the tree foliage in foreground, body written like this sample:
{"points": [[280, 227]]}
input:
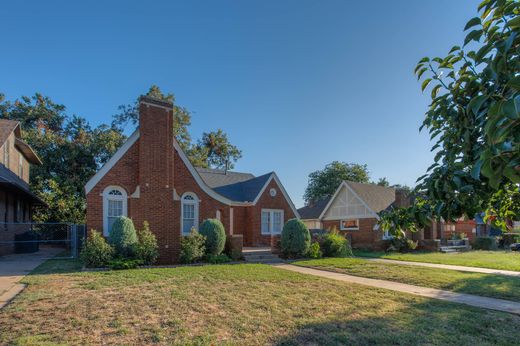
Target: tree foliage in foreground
{"points": [[474, 117]]}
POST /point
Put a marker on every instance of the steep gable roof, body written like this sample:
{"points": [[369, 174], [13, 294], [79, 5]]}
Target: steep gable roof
{"points": [[6, 128], [12, 181], [377, 198]]}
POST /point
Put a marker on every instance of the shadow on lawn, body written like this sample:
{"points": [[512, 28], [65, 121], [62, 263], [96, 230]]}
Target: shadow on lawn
{"points": [[431, 322]]}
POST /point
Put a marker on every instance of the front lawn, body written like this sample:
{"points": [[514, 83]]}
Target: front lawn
{"points": [[484, 259], [233, 304], [496, 286]]}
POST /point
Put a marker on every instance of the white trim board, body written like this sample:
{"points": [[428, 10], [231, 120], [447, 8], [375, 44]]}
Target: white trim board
{"points": [[111, 162], [198, 179], [346, 185]]}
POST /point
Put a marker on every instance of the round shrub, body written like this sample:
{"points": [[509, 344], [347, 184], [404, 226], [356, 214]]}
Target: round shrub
{"points": [[123, 237], [215, 235], [336, 245], [314, 250], [95, 251], [484, 243], [296, 239], [192, 247]]}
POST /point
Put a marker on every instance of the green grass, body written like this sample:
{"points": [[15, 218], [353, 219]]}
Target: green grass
{"points": [[233, 304], [488, 285], [484, 259]]}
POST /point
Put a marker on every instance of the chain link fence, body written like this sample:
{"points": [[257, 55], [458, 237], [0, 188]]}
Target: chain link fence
{"points": [[18, 238]]}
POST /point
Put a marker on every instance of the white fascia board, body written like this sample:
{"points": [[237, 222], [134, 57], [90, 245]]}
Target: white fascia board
{"points": [[284, 192], [201, 182], [112, 161], [331, 200]]}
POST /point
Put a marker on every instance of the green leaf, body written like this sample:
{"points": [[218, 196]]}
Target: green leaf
{"points": [[514, 23], [475, 172], [454, 49], [473, 35], [425, 83], [435, 90], [420, 73], [475, 103], [472, 22], [514, 83], [423, 60]]}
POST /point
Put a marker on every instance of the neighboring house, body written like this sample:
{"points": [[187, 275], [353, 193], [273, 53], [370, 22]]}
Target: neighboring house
{"points": [[150, 179], [353, 210], [16, 199]]}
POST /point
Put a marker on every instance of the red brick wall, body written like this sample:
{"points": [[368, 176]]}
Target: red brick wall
{"points": [[365, 237], [159, 171], [463, 227], [253, 236]]}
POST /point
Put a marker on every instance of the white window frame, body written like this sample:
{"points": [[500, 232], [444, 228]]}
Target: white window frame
{"points": [[271, 221], [348, 228], [106, 197], [195, 202], [387, 235]]}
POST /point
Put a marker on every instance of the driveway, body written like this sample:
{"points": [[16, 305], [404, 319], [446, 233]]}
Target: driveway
{"points": [[14, 267]]}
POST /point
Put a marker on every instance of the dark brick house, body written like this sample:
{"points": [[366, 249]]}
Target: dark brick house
{"points": [[16, 198], [151, 179]]}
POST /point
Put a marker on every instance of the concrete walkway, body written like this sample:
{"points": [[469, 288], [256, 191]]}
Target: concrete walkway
{"points": [[446, 266], [14, 267], [462, 298]]}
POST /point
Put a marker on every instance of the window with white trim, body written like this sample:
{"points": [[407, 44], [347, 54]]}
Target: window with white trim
{"points": [[114, 206], [272, 221], [190, 212], [349, 225]]}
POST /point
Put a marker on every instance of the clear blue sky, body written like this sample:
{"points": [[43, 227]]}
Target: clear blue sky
{"points": [[295, 84]]}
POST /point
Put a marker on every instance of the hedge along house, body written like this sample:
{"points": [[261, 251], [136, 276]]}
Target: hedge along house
{"points": [[353, 210], [151, 179]]}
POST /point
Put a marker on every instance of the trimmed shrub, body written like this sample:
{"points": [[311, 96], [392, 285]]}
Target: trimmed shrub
{"points": [[485, 243], [95, 251], [123, 237], [234, 245], [215, 235], [336, 245], [217, 259], [147, 249], [402, 245], [314, 251], [296, 239], [192, 247]]}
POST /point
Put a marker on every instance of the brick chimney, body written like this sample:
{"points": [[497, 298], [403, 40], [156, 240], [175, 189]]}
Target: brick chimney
{"points": [[156, 175]]}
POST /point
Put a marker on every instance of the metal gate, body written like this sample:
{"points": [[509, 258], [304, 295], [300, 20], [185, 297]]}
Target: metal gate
{"points": [[64, 239]]}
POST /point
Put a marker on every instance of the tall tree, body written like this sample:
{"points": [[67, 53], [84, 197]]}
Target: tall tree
{"points": [[212, 150], [475, 118], [220, 153], [70, 149], [323, 183]]}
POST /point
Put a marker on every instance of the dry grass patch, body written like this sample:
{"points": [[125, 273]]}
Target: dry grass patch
{"points": [[232, 304]]}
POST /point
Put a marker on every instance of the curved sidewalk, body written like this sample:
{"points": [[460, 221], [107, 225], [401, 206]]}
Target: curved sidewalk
{"points": [[462, 298], [446, 266]]}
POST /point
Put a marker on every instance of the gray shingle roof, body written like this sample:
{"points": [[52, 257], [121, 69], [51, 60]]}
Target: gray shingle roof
{"points": [[378, 198], [245, 191], [216, 178], [314, 210], [236, 186]]}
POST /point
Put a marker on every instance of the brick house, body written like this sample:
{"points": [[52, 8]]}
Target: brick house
{"points": [[353, 210], [16, 198], [151, 179]]}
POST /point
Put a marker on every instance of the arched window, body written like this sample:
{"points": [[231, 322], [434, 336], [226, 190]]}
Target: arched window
{"points": [[114, 205], [189, 212]]}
